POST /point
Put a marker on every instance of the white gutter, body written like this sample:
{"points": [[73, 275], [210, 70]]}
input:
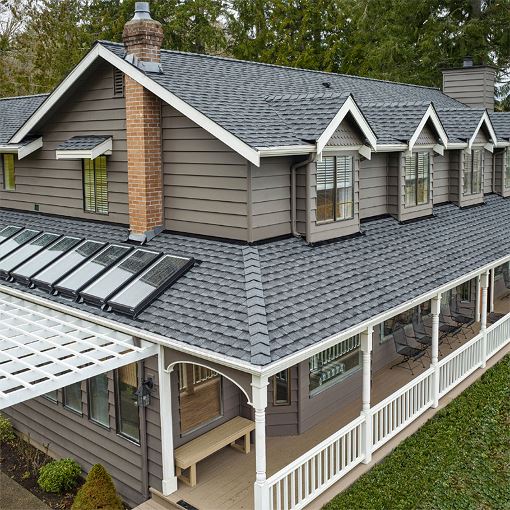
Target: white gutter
{"points": [[22, 149], [287, 150]]}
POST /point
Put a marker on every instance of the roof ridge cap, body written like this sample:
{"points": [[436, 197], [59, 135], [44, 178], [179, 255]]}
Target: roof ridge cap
{"points": [[25, 96], [260, 349]]}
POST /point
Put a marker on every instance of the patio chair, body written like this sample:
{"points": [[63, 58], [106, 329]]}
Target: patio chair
{"points": [[461, 318], [493, 317], [420, 333], [405, 350], [447, 329]]}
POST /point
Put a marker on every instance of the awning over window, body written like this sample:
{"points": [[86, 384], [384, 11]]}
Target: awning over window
{"points": [[85, 147], [42, 350], [24, 148]]}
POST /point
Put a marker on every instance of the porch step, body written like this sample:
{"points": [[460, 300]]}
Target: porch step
{"points": [[165, 503], [150, 504]]}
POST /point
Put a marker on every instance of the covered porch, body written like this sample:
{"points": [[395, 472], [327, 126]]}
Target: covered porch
{"points": [[300, 467]]}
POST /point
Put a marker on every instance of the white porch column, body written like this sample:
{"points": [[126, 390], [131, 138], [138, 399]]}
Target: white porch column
{"points": [[484, 284], [478, 304], [493, 276], [436, 309], [366, 349], [259, 398], [169, 482]]}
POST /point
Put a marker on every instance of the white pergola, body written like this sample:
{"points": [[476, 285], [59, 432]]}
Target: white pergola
{"points": [[42, 350]]}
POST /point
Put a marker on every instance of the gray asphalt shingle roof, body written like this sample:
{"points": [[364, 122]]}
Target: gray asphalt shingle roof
{"points": [[15, 111], [82, 142], [460, 123], [262, 303], [240, 95], [501, 123]]}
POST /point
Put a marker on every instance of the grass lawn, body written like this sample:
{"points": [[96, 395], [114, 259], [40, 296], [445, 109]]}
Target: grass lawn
{"points": [[460, 459]]}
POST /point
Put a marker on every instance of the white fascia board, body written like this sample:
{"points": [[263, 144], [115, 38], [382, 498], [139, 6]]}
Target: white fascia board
{"points": [[141, 334], [485, 119], [54, 97], [365, 151], [489, 147], [199, 118], [243, 149], [439, 149], [502, 145], [431, 115], [305, 354], [22, 150], [396, 147], [290, 150], [351, 107], [104, 148], [456, 145]]}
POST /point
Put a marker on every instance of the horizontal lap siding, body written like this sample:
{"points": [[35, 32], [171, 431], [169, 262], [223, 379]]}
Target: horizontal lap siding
{"points": [[373, 186], [56, 186], [455, 174], [70, 435], [205, 182], [500, 159], [283, 420], [441, 178], [488, 172], [270, 192]]}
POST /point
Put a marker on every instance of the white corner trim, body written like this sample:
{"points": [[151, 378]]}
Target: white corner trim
{"points": [[193, 114], [485, 119], [351, 107], [104, 148], [22, 150], [431, 115]]}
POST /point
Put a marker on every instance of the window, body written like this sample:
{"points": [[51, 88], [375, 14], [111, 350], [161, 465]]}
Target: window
{"points": [[335, 188], [334, 364], [52, 395], [473, 167], [7, 162], [95, 185], [464, 291], [199, 396], [118, 83], [507, 170], [404, 318], [417, 179], [281, 388], [72, 397], [98, 400], [128, 422]]}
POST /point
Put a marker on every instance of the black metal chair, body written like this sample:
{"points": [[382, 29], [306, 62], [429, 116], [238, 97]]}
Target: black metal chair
{"points": [[420, 333], [493, 317], [460, 318], [447, 329], [405, 350]]}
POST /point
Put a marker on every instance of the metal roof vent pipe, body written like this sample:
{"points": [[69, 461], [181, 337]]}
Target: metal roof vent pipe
{"points": [[142, 10], [468, 61]]}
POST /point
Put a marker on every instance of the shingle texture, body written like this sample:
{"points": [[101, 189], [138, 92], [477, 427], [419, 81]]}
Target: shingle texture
{"points": [[460, 123], [306, 293], [82, 142], [501, 123], [242, 96], [15, 111]]}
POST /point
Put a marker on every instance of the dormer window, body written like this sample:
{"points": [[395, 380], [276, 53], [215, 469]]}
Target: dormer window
{"points": [[473, 168], [417, 179], [95, 185], [9, 176], [335, 188]]}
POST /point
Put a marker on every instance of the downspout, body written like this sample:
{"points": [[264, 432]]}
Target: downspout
{"points": [[293, 195], [143, 438]]}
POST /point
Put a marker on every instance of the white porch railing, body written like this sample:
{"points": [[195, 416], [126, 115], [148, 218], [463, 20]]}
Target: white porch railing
{"points": [[299, 483]]}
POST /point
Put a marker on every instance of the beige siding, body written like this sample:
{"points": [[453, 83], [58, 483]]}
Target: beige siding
{"points": [[441, 177], [488, 172], [69, 434], [394, 164], [500, 158], [205, 182], [270, 197], [347, 134], [456, 159], [283, 420], [428, 135], [473, 86], [56, 186], [373, 179]]}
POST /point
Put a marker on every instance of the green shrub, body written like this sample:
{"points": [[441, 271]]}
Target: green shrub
{"points": [[7, 434], [59, 476], [98, 492]]}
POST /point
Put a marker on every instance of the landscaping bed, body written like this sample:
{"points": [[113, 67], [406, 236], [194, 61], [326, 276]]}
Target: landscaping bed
{"points": [[21, 461], [460, 459]]}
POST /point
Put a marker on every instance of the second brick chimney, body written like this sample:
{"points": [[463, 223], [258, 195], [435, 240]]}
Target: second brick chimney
{"points": [[143, 37]]}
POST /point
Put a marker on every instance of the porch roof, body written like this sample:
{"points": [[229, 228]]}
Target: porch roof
{"points": [[296, 295], [42, 350]]}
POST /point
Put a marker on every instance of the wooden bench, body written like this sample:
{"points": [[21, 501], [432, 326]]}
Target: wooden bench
{"points": [[198, 449]]}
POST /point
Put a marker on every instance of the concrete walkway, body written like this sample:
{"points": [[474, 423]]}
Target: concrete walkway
{"points": [[15, 497]]}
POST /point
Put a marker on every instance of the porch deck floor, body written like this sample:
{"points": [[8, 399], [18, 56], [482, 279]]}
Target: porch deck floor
{"points": [[225, 480]]}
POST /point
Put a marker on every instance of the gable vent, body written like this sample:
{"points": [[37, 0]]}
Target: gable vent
{"points": [[118, 83]]}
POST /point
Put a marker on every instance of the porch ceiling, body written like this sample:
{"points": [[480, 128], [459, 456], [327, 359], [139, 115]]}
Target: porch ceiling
{"points": [[42, 350]]}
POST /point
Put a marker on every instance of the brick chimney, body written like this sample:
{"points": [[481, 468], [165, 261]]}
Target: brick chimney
{"points": [[471, 84], [143, 37]]}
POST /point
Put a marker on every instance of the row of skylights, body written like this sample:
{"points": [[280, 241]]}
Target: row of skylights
{"points": [[115, 277]]}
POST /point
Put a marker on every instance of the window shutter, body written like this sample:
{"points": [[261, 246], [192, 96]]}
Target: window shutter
{"points": [[88, 185], [101, 185]]}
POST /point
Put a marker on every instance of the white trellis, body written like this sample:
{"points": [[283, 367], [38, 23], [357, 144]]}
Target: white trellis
{"points": [[42, 350]]}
